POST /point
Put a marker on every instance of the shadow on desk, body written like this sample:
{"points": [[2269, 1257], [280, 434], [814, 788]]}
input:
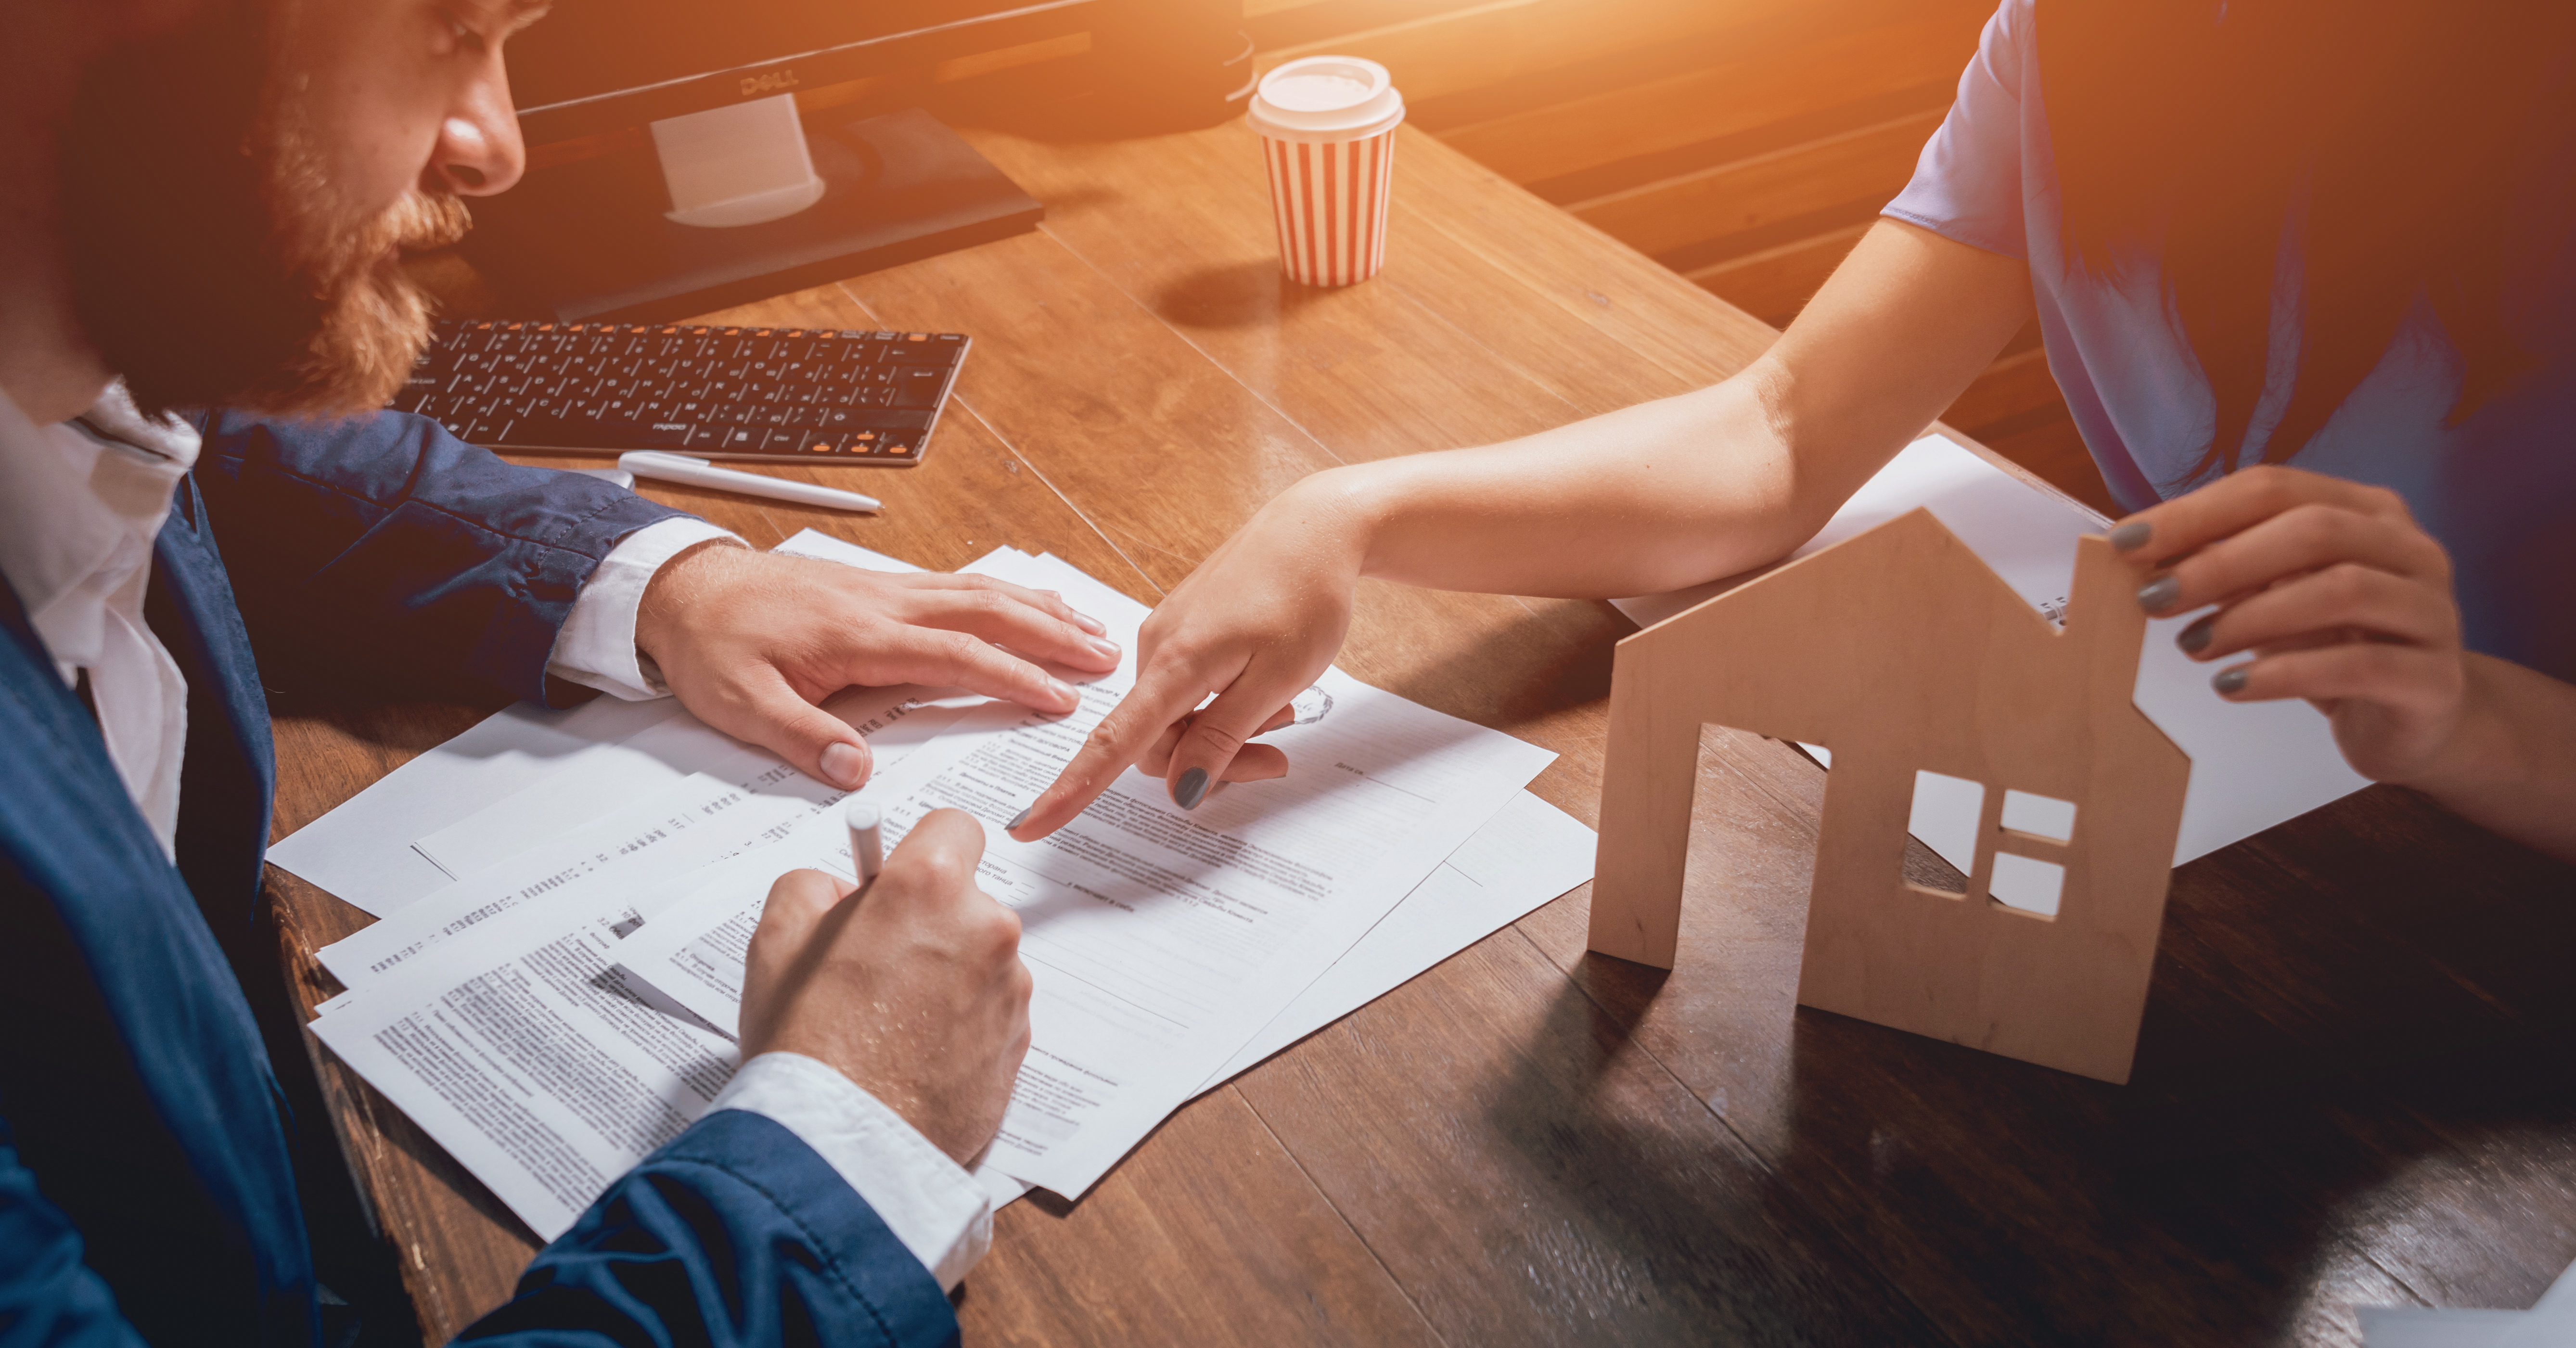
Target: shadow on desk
{"points": [[2357, 1073]]}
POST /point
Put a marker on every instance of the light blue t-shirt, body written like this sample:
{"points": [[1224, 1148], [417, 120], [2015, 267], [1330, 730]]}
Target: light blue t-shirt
{"points": [[2498, 490]]}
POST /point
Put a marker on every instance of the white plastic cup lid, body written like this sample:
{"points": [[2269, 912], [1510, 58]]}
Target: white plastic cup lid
{"points": [[1326, 99]]}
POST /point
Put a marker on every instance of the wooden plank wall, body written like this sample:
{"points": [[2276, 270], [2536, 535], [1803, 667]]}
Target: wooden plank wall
{"points": [[1743, 143]]}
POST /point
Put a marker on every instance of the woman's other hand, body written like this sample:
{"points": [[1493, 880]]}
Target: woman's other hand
{"points": [[2341, 598]]}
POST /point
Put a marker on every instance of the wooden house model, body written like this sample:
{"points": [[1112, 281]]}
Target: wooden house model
{"points": [[1912, 662]]}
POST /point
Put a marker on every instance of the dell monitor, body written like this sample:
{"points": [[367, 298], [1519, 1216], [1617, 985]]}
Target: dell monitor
{"points": [[710, 187]]}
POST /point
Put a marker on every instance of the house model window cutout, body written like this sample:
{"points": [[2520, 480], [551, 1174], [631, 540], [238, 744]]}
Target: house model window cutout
{"points": [[1954, 711]]}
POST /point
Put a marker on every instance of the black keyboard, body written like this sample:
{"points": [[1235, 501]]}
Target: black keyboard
{"points": [[719, 393]]}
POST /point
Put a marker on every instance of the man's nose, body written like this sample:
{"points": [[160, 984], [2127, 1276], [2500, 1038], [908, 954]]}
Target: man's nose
{"points": [[479, 153]]}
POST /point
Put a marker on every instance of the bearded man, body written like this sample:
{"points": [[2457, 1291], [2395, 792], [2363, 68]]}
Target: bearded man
{"points": [[200, 302]]}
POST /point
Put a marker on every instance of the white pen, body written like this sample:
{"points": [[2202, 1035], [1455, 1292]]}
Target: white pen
{"points": [[867, 840], [700, 473]]}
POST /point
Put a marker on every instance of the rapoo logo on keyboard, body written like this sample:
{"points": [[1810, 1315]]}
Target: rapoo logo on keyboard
{"points": [[771, 82]]}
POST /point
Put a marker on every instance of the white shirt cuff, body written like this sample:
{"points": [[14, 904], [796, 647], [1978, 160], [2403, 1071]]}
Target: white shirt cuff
{"points": [[596, 647], [939, 1212]]}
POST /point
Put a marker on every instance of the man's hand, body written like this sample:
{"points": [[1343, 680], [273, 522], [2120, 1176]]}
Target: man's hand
{"points": [[913, 990], [1256, 624], [753, 643]]}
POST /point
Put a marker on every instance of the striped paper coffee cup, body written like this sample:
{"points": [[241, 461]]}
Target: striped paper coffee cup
{"points": [[1327, 126]]}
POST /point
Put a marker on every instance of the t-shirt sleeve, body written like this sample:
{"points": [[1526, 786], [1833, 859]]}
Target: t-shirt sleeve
{"points": [[1968, 184]]}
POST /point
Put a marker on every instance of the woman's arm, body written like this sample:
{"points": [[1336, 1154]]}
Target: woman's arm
{"points": [[1650, 498], [1710, 483]]}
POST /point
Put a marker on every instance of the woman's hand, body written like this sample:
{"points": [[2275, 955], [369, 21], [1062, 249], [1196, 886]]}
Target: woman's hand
{"points": [[2341, 598], [1256, 624], [2337, 592]]}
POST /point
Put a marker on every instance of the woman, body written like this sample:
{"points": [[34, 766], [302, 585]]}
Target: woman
{"points": [[2306, 271]]}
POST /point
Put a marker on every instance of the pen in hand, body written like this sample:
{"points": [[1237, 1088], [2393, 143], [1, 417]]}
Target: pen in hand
{"points": [[867, 841]]}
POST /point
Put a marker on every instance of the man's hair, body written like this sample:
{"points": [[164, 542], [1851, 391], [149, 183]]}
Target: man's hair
{"points": [[213, 261], [2412, 149]]}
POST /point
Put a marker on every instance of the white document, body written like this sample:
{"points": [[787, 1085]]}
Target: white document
{"points": [[718, 797], [697, 819], [525, 1052], [2252, 765], [663, 753], [364, 852], [1161, 940], [1528, 854]]}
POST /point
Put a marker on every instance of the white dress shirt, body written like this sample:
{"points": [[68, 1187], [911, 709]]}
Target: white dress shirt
{"points": [[80, 505]]}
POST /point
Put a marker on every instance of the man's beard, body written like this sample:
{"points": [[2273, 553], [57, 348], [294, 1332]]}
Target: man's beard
{"points": [[372, 318], [213, 261]]}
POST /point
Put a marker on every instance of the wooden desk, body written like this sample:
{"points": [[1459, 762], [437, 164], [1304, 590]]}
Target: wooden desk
{"points": [[2353, 1082]]}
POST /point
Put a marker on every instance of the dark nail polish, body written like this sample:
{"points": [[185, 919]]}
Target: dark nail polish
{"points": [[2132, 536], [1016, 820], [2230, 680], [2159, 594], [1191, 789], [2195, 638]]}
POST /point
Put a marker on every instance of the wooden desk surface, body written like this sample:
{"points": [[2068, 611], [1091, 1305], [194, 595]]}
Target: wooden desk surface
{"points": [[2353, 1083]]}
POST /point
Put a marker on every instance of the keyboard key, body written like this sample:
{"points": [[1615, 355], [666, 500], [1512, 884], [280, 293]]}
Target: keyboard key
{"points": [[918, 387], [582, 433]]}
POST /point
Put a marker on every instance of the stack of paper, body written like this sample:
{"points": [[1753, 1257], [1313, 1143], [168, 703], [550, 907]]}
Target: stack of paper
{"points": [[551, 992]]}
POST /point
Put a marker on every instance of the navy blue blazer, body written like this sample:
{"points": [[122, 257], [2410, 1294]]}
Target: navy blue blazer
{"points": [[146, 1189]]}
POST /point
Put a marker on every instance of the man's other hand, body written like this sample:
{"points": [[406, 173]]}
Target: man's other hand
{"points": [[754, 642], [914, 990]]}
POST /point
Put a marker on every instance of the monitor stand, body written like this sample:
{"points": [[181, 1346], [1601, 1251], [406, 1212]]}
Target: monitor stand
{"points": [[726, 208]]}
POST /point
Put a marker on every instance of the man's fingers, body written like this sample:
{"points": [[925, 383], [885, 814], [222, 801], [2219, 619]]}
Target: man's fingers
{"points": [[2340, 598], [936, 859], [955, 660], [1160, 698], [2239, 501], [798, 900], [783, 945], [1048, 600], [1011, 619], [2298, 540], [770, 714], [935, 865]]}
